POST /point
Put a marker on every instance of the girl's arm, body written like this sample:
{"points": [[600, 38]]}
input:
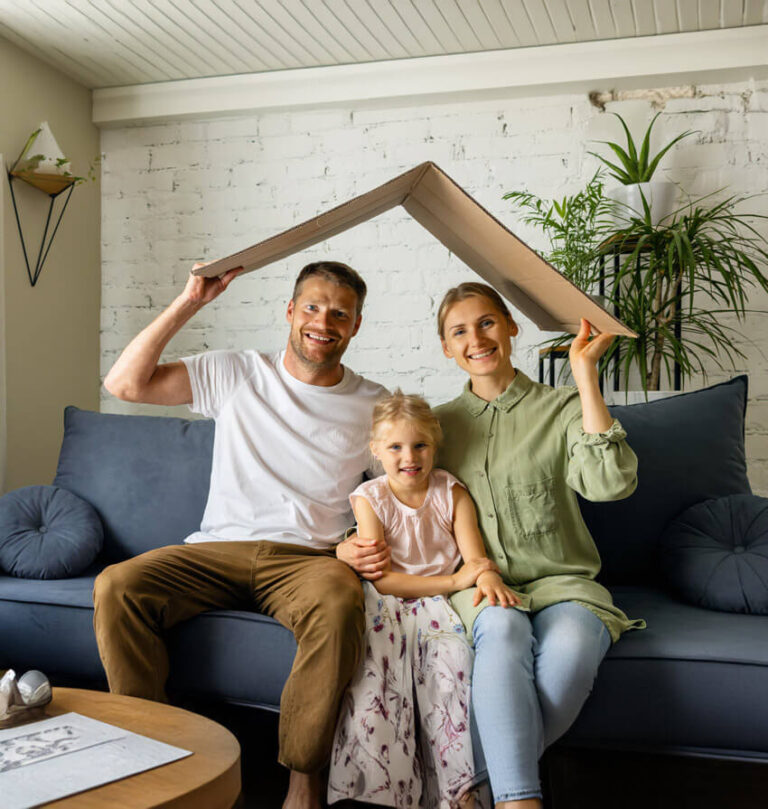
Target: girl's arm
{"points": [[490, 585], [407, 585]]}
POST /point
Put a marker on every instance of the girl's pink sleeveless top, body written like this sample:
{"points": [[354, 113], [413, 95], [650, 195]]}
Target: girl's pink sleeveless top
{"points": [[421, 539]]}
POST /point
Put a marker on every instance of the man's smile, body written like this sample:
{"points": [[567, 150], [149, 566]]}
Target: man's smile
{"points": [[317, 337]]}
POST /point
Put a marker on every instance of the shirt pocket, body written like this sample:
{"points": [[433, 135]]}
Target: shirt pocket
{"points": [[532, 506]]}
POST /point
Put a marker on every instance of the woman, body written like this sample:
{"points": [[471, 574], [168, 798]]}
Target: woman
{"points": [[524, 450]]}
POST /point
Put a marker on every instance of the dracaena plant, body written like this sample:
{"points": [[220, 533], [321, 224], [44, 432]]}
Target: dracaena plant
{"points": [[636, 165], [675, 284]]}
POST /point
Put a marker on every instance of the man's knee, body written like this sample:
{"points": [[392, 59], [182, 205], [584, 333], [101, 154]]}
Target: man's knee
{"points": [[338, 606], [115, 582], [344, 602]]}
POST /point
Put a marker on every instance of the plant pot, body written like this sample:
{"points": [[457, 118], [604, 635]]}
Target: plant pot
{"points": [[661, 196]]}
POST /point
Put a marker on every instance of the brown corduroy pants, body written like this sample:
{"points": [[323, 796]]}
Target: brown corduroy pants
{"points": [[308, 591]]}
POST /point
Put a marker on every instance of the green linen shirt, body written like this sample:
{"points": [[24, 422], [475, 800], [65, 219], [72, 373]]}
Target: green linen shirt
{"points": [[523, 457]]}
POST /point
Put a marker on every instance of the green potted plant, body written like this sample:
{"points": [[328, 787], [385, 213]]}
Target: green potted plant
{"points": [[635, 169], [43, 165], [675, 283]]}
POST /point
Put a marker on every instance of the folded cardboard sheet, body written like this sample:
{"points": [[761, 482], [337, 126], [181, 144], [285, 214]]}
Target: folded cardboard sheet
{"points": [[440, 205]]}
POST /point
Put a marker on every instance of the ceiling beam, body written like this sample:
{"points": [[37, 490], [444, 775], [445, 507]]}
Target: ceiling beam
{"points": [[729, 54]]}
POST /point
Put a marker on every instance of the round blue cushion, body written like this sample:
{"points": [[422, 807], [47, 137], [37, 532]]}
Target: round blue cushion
{"points": [[715, 554], [47, 533]]}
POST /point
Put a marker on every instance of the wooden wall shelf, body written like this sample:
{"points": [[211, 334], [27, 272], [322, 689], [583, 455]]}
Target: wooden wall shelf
{"points": [[51, 184]]}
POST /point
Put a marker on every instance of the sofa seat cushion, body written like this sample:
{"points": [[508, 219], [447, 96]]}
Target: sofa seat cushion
{"points": [[693, 679], [48, 625], [233, 655], [74, 592]]}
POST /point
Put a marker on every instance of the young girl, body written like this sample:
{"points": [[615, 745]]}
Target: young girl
{"points": [[418, 661]]}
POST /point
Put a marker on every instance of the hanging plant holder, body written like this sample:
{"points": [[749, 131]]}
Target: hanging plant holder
{"points": [[45, 168], [53, 185]]}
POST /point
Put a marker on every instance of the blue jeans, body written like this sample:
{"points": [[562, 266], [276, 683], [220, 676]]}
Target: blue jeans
{"points": [[532, 675]]}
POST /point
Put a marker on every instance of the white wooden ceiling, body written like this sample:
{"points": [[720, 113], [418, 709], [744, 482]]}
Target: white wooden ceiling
{"points": [[109, 43]]}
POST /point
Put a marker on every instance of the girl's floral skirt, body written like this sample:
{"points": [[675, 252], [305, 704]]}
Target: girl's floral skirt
{"points": [[403, 736]]}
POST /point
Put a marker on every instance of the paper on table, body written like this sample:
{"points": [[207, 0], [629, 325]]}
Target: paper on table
{"points": [[47, 760]]}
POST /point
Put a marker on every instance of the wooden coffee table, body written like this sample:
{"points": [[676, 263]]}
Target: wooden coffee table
{"points": [[208, 779]]}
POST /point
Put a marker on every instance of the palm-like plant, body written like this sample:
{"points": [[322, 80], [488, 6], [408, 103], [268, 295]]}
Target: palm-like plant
{"points": [[637, 166], [574, 225], [674, 282]]}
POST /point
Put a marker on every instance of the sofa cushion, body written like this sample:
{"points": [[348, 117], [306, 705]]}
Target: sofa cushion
{"points": [[715, 554], [47, 533], [695, 679], [48, 625], [234, 655], [147, 476], [690, 448]]}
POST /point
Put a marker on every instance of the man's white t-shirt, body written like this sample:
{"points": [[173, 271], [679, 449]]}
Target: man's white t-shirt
{"points": [[286, 454]]}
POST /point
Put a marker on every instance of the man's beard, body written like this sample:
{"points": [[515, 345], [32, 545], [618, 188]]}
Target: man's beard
{"points": [[330, 360]]}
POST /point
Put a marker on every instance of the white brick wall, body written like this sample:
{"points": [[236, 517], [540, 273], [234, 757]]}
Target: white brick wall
{"points": [[196, 190]]}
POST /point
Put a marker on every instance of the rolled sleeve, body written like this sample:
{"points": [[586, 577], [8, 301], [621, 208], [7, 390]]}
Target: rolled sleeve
{"points": [[213, 377]]}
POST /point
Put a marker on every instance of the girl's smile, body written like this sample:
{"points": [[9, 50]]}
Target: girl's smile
{"points": [[407, 456]]}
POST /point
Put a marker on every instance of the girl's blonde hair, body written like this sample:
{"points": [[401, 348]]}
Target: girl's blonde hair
{"points": [[407, 407], [470, 289]]}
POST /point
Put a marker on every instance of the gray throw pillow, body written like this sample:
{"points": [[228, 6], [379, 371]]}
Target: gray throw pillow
{"points": [[47, 533], [715, 554]]}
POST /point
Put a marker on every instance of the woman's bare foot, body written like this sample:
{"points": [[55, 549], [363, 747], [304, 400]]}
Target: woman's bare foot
{"points": [[303, 791]]}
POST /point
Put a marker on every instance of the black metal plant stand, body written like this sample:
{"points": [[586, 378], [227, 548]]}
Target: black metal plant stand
{"points": [[617, 251], [53, 186], [551, 354]]}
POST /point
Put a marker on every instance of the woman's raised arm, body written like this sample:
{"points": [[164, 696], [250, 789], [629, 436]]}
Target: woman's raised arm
{"points": [[584, 357]]}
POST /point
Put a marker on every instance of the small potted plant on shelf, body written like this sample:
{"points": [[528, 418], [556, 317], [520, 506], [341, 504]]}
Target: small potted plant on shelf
{"points": [[676, 283], [43, 165], [635, 170]]}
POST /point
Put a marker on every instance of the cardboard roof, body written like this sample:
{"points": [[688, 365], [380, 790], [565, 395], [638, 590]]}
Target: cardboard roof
{"points": [[533, 286]]}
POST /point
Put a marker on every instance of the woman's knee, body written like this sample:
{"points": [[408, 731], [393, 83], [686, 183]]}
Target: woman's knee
{"points": [[571, 632], [507, 627]]}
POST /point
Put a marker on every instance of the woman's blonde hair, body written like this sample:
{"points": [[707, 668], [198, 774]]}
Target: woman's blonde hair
{"points": [[407, 407], [470, 289]]}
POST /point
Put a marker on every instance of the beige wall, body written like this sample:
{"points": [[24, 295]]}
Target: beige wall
{"points": [[49, 333]]}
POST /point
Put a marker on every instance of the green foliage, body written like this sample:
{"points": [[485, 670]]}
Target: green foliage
{"points": [[32, 163], [675, 284], [573, 225], [636, 166], [30, 140]]}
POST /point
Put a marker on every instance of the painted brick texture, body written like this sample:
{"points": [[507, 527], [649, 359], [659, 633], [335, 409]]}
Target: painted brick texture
{"points": [[195, 190]]}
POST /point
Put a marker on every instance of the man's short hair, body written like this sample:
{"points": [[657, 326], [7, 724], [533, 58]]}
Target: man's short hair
{"points": [[337, 273]]}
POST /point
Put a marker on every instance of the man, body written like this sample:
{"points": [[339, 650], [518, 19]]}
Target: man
{"points": [[291, 443]]}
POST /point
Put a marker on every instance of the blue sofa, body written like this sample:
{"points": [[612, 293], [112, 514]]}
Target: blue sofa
{"points": [[693, 682]]}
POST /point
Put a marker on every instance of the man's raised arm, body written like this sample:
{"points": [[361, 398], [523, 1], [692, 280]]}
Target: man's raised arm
{"points": [[136, 376]]}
